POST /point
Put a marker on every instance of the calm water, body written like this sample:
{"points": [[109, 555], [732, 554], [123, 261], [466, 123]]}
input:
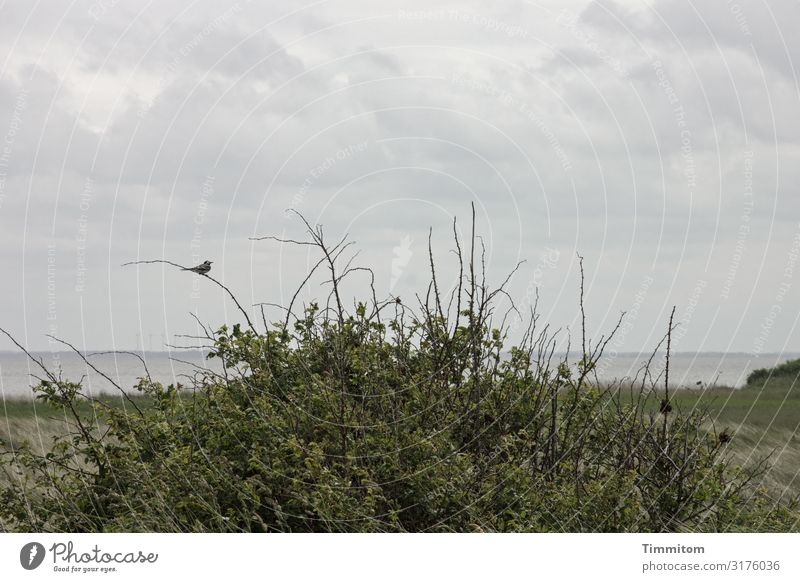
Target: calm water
{"points": [[125, 369], [685, 369], [689, 369]]}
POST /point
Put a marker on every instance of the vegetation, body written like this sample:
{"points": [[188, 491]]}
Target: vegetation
{"points": [[788, 370], [386, 417], [772, 404]]}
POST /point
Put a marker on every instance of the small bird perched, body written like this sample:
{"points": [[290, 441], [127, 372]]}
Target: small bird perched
{"points": [[200, 269]]}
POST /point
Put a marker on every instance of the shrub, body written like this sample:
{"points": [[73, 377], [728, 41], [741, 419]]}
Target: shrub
{"points": [[790, 369], [384, 418]]}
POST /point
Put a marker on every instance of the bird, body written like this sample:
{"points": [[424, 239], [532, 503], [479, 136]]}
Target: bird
{"points": [[200, 269]]}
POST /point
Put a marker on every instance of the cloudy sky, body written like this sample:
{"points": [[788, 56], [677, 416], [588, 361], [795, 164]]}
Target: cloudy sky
{"points": [[660, 140]]}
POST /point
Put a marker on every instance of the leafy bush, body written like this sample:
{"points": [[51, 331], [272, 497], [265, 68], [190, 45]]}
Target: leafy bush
{"points": [[386, 418], [790, 369]]}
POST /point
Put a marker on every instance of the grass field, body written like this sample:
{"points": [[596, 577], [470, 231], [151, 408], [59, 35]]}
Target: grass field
{"points": [[26, 420], [774, 404]]}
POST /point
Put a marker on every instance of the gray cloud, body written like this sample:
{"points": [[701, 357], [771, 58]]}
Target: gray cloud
{"points": [[647, 139]]}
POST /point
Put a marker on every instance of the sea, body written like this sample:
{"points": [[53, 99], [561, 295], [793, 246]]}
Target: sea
{"points": [[18, 373]]}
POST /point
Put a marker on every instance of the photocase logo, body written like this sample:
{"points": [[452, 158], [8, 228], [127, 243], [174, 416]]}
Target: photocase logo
{"points": [[31, 555]]}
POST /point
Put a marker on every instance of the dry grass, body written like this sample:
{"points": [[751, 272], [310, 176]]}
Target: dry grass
{"points": [[24, 424], [751, 443]]}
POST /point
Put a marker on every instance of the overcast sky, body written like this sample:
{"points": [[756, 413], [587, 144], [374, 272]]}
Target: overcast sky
{"points": [[660, 140]]}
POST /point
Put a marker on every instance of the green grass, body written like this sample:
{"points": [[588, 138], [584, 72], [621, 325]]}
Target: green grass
{"points": [[27, 420], [773, 404]]}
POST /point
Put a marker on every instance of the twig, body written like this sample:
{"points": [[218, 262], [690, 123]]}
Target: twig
{"points": [[103, 374], [666, 373], [207, 276]]}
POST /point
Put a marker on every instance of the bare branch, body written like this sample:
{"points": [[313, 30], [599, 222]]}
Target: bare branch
{"points": [[207, 276]]}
